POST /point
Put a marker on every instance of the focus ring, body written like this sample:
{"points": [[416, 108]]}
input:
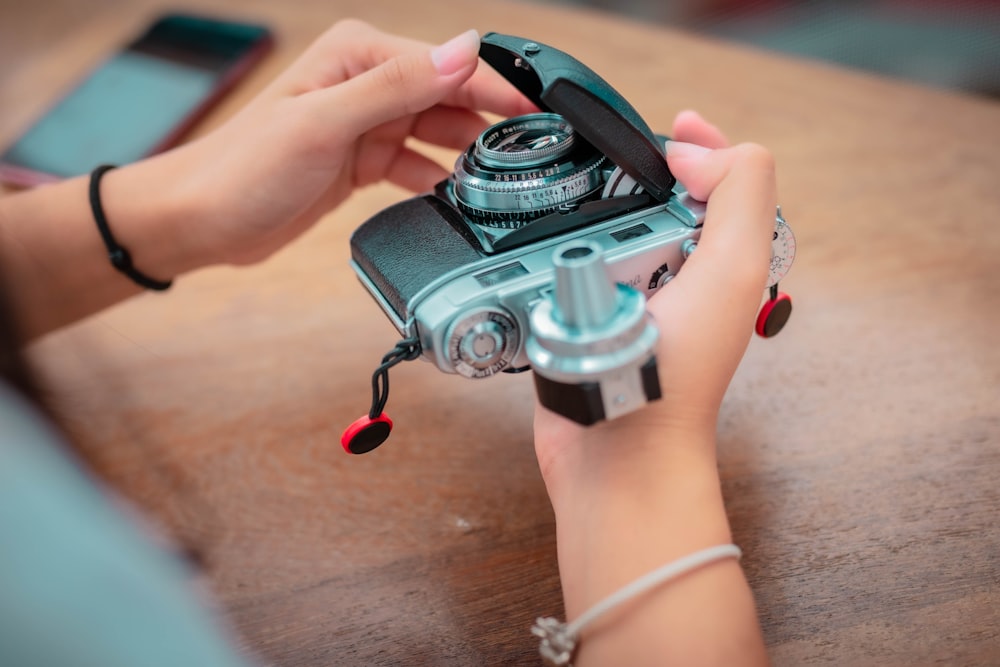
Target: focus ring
{"points": [[504, 204], [523, 168]]}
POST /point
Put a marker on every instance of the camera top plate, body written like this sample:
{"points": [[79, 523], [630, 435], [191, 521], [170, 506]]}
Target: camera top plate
{"points": [[557, 82]]}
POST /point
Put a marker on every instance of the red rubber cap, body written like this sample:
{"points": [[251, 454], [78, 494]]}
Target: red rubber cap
{"points": [[366, 434], [773, 315]]}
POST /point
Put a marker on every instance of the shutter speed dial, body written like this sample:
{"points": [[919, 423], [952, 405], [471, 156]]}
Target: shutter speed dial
{"points": [[482, 343], [782, 250]]}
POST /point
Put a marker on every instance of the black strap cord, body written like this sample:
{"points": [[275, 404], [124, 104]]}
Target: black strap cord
{"points": [[405, 350], [119, 256]]}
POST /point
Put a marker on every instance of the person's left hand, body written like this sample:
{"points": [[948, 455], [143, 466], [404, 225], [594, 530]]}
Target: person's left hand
{"points": [[705, 316], [339, 118]]}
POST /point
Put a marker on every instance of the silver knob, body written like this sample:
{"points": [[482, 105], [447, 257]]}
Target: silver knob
{"points": [[482, 344]]}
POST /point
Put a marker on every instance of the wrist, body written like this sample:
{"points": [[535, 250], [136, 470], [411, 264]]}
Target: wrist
{"points": [[577, 461], [621, 522], [628, 497], [152, 215]]}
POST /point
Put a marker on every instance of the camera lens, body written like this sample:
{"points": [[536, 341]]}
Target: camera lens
{"points": [[523, 168], [525, 142]]}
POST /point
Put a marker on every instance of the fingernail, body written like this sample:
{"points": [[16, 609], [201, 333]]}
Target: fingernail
{"points": [[690, 112], [683, 149], [456, 53]]}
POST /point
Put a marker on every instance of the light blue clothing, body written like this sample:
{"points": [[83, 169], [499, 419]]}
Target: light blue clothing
{"points": [[79, 584]]}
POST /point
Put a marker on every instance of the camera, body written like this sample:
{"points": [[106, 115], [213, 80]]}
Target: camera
{"points": [[540, 250]]}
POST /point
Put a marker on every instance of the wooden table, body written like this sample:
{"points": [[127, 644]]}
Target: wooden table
{"points": [[860, 450]]}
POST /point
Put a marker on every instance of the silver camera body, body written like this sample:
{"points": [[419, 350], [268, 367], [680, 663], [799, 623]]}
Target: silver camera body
{"points": [[540, 249], [494, 296]]}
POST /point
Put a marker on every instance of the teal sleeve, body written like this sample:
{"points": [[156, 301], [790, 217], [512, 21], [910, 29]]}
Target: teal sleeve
{"points": [[79, 582]]}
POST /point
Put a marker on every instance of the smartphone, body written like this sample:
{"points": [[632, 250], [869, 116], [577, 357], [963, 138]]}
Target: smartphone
{"points": [[138, 102]]}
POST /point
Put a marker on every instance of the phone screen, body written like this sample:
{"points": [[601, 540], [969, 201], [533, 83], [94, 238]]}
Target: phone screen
{"points": [[139, 101]]}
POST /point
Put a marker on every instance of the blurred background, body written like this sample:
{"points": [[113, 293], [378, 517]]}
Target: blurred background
{"points": [[953, 44]]}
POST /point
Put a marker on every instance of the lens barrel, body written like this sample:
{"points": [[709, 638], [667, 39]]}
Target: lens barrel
{"points": [[524, 167]]}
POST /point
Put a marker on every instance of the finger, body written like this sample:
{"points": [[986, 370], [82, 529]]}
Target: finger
{"points": [[361, 47], [725, 276], [347, 49], [385, 157], [352, 47], [702, 169], [449, 127], [414, 171], [691, 128], [488, 91], [403, 85]]}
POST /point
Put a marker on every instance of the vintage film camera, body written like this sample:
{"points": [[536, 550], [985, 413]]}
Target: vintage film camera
{"points": [[541, 248]]}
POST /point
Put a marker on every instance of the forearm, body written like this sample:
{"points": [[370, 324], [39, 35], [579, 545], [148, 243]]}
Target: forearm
{"points": [[633, 516], [53, 262]]}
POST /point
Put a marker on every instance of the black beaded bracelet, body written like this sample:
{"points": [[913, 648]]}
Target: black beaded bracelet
{"points": [[120, 259]]}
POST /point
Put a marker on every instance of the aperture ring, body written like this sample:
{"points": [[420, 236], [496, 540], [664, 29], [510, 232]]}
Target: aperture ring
{"points": [[499, 203]]}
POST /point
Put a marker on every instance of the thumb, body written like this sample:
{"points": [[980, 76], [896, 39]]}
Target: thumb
{"points": [[721, 284], [405, 84]]}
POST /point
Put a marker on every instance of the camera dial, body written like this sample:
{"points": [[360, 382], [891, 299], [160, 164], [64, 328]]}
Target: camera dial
{"points": [[523, 168], [782, 250], [482, 343]]}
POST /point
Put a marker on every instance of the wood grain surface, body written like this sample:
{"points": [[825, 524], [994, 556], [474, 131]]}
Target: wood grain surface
{"points": [[860, 449]]}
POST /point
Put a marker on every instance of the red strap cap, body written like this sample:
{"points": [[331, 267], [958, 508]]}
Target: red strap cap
{"points": [[773, 315], [366, 434]]}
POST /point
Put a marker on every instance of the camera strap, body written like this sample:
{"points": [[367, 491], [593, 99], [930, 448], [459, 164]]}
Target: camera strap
{"points": [[371, 430]]}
